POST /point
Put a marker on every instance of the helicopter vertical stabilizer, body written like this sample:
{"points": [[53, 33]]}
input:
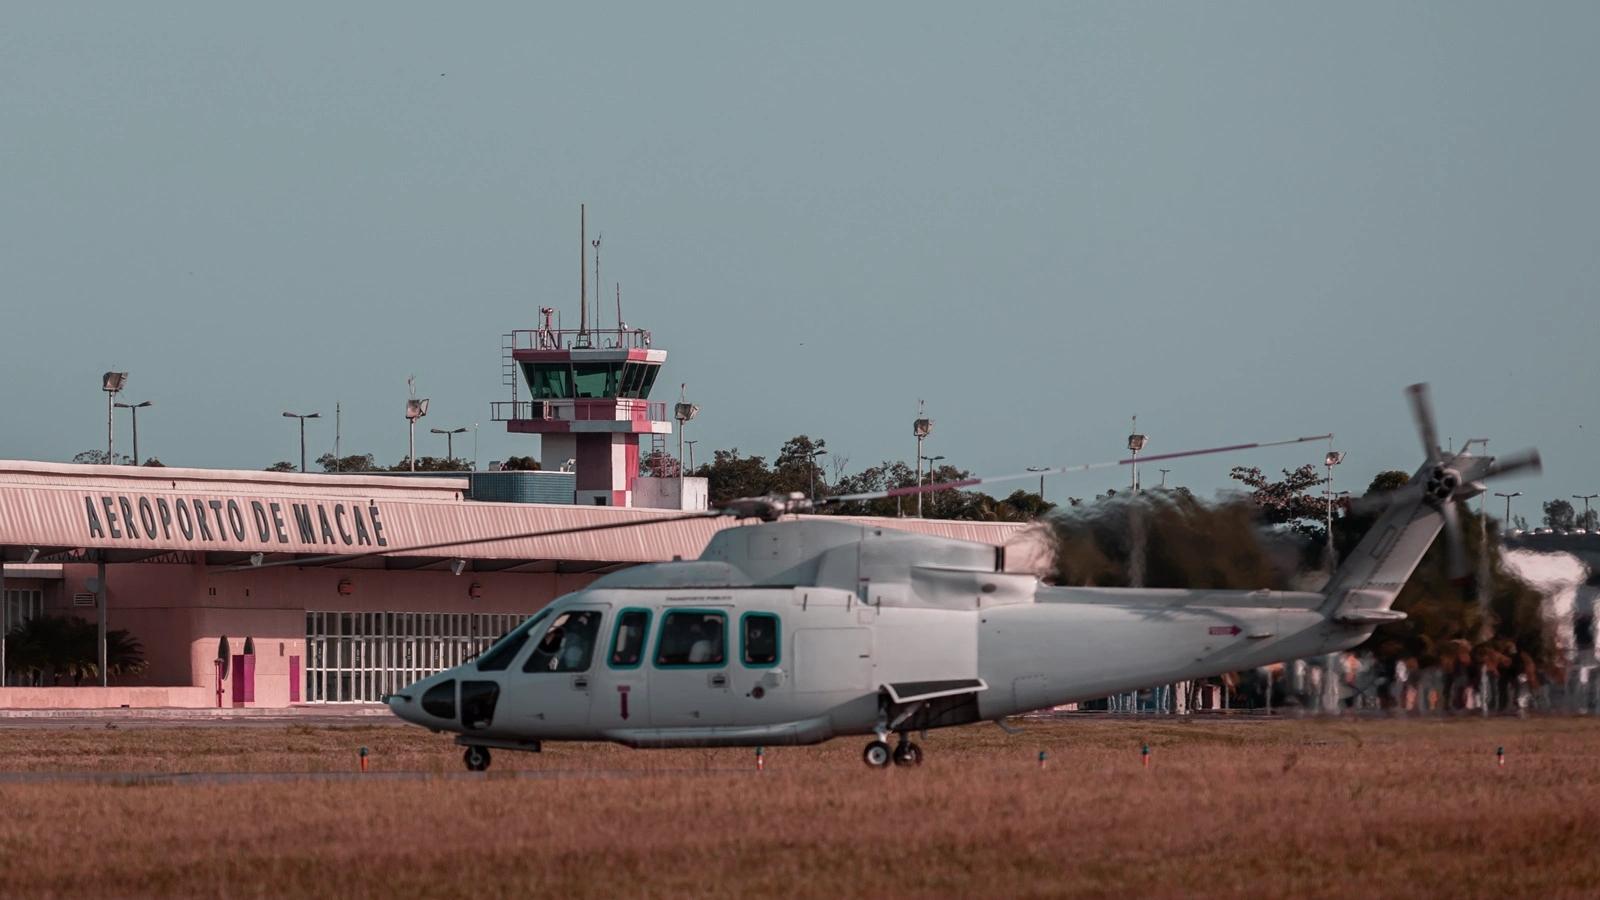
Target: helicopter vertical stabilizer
{"points": [[1362, 590]]}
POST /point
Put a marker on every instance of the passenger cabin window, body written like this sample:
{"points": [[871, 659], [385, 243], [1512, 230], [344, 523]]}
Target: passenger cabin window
{"points": [[627, 641], [568, 645], [500, 655], [760, 639], [692, 638]]}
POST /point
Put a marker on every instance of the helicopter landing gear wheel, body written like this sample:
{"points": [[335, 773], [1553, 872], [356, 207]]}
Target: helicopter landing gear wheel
{"points": [[877, 755], [907, 754], [476, 758]]}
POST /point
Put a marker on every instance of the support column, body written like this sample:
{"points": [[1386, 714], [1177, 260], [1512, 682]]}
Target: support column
{"points": [[100, 604], [5, 617]]}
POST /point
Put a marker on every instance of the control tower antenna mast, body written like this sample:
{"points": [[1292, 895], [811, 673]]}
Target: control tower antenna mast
{"points": [[583, 277], [599, 285]]}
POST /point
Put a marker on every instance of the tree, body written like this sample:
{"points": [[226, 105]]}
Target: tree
{"points": [[521, 464], [101, 458], [46, 649], [796, 468], [152, 462], [282, 465], [659, 464], [730, 476], [1559, 514], [1389, 480], [884, 476], [356, 462], [432, 464], [1589, 519], [1286, 502]]}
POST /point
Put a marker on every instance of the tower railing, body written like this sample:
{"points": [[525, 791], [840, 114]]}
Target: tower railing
{"points": [[574, 339], [597, 409]]}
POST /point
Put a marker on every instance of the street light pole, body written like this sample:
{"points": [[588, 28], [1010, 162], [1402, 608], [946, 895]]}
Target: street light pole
{"points": [[813, 472], [112, 383], [133, 410], [1136, 442], [690, 445], [449, 441], [1041, 478], [921, 427], [290, 415], [1586, 498], [1333, 458], [1164, 478], [1506, 525]]}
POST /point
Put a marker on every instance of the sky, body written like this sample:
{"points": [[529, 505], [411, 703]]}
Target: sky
{"points": [[1238, 221]]}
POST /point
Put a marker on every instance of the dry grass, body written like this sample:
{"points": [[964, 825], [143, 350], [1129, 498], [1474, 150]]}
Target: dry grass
{"points": [[1379, 808]]}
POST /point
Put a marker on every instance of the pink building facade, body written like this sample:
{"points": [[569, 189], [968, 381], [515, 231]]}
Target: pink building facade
{"points": [[363, 604]]}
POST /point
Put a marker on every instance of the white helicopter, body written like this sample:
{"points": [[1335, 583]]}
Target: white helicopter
{"points": [[795, 632]]}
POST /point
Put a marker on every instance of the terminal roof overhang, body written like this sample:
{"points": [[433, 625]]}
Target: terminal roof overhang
{"points": [[81, 513]]}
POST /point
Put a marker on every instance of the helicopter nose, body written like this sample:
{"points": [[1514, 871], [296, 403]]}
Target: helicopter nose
{"points": [[405, 704], [430, 702]]}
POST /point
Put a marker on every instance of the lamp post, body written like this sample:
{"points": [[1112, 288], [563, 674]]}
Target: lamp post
{"points": [[1507, 523], [690, 445], [1584, 497], [684, 412], [302, 418], [449, 441], [133, 410], [922, 426], [930, 460], [812, 471], [1041, 478], [1333, 458], [112, 383], [1136, 442], [1164, 478], [416, 408]]}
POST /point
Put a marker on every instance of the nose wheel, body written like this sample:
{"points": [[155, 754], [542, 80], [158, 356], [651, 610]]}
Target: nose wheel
{"points": [[476, 758], [877, 755]]}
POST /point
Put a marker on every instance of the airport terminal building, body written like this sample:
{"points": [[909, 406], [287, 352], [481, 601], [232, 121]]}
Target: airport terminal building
{"points": [[167, 553]]}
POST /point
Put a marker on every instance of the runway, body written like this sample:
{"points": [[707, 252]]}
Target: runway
{"points": [[141, 779]]}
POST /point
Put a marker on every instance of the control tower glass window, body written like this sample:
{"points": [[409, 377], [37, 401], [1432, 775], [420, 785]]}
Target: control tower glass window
{"points": [[596, 379], [549, 381]]}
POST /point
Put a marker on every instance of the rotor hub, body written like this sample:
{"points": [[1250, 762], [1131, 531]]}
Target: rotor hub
{"points": [[1442, 484]]}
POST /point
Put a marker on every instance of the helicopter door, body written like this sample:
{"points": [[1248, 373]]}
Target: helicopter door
{"points": [[689, 678], [552, 693], [621, 696]]}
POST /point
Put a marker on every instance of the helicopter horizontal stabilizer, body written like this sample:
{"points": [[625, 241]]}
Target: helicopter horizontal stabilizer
{"points": [[1369, 617]]}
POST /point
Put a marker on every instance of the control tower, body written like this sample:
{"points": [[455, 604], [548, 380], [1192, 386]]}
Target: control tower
{"points": [[588, 395]]}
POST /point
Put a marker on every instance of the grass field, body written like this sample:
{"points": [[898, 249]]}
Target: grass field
{"points": [[1283, 808]]}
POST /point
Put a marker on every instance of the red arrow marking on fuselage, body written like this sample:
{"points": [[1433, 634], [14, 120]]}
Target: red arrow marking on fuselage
{"points": [[1225, 629]]}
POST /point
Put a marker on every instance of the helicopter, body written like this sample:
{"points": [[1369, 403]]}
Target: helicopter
{"points": [[795, 630]]}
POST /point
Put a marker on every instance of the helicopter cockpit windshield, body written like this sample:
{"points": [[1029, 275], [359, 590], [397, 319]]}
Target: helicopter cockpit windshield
{"points": [[503, 651], [568, 644]]}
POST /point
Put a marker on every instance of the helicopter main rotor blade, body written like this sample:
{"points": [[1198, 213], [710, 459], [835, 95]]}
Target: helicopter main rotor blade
{"points": [[1422, 411], [934, 486], [1515, 462], [469, 542]]}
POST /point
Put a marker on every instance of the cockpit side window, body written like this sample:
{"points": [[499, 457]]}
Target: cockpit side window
{"points": [[692, 637], [500, 655], [628, 638], [759, 639], [568, 644]]}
